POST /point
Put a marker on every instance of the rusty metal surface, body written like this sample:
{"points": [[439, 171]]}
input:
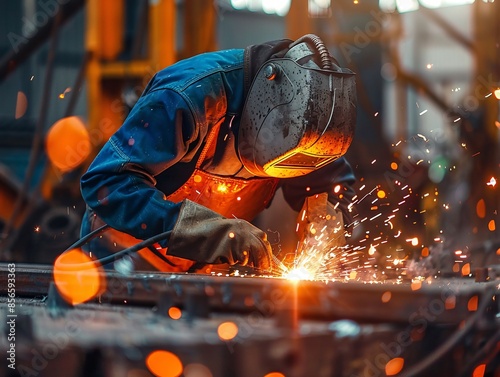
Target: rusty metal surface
{"points": [[444, 300], [306, 328]]}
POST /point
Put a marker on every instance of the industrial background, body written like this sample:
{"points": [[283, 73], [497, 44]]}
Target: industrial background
{"points": [[426, 156]]}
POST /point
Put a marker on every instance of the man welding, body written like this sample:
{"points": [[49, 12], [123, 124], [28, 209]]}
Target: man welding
{"points": [[207, 145]]}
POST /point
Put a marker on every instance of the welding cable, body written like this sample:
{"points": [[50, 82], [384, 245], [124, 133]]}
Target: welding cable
{"points": [[82, 241], [484, 355], [417, 369], [119, 254], [147, 243]]}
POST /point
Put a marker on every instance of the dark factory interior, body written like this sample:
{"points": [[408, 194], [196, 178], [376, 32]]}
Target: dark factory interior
{"points": [[250, 188]]}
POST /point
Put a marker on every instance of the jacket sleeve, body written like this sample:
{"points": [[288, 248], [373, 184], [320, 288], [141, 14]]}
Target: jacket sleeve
{"points": [[120, 185], [336, 179]]}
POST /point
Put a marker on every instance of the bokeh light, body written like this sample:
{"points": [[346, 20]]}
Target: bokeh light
{"points": [[68, 143], [77, 277], [227, 330], [21, 104], [197, 370], [394, 366], [479, 370], [472, 304], [466, 269], [416, 285], [481, 209], [386, 297], [164, 364], [492, 226], [174, 312], [425, 252], [450, 302]]}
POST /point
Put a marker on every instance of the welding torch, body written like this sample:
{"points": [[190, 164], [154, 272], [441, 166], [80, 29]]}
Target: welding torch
{"points": [[320, 227]]}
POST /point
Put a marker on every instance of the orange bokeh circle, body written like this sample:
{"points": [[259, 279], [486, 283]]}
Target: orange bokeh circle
{"points": [[68, 143], [77, 277], [164, 364]]}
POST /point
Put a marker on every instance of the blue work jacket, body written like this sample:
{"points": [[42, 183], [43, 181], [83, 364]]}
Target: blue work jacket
{"points": [[154, 151]]}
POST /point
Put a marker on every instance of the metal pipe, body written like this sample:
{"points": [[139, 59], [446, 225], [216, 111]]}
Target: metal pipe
{"points": [[15, 57]]}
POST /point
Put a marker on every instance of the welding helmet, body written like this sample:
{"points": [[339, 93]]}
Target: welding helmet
{"points": [[299, 113]]}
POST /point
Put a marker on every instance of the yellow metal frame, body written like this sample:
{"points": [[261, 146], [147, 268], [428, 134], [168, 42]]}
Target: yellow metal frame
{"points": [[105, 73]]}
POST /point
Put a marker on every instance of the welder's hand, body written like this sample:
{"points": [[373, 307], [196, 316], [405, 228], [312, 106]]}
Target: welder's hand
{"points": [[205, 236]]}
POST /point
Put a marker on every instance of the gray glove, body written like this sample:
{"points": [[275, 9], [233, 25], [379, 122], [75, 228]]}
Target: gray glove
{"points": [[203, 235]]}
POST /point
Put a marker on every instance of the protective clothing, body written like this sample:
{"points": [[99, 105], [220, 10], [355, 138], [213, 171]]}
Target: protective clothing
{"points": [[205, 236], [298, 116], [234, 197], [179, 142]]}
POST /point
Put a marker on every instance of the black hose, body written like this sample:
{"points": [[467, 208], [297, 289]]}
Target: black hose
{"points": [[111, 258], [443, 349], [485, 354], [319, 46], [82, 241]]}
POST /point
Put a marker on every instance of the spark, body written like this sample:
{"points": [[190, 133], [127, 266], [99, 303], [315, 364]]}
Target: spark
{"points": [[372, 250], [63, 94], [492, 182], [422, 136], [299, 273], [223, 188]]}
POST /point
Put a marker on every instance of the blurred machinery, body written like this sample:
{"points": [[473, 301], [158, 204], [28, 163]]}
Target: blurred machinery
{"points": [[125, 43]]}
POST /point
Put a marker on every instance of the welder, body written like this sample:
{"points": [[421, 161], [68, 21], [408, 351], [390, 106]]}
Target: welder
{"points": [[207, 145]]}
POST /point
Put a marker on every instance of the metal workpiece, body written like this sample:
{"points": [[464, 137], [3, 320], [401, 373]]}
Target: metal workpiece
{"points": [[448, 300], [251, 325]]}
